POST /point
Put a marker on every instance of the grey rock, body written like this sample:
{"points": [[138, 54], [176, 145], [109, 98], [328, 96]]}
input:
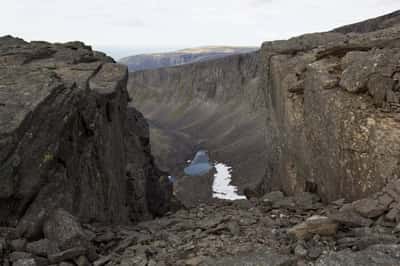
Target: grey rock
{"points": [[82, 261], [18, 244], [25, 262], [397, 229], [243, 204], [40, 261], [68, 254], [234, 228], [106, 237], [314, 253], [273, 196], [9, 233], [319, 225], [265, 258], [102, 260], [63, 229], [393, 214], [2, 246], [369, 208], [373, 256], [65, 263], [18, 255], [43, 247], [350, 218], [300, 251]]}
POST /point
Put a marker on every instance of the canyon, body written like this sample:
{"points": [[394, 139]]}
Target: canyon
{"points": [[314, 113], [309, 125]]}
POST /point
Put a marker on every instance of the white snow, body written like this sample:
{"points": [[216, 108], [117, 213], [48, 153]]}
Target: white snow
{"points": [[222, 188]]}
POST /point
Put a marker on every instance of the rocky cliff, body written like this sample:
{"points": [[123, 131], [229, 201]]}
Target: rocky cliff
{"points": [[181, 57], [319, 112], [68, 139], [216, 105]]}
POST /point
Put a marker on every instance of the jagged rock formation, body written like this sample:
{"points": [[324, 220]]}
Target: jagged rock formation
{"points": [[333, 112], [216, 105], [323, 109], [67, 139], [181, 57]]}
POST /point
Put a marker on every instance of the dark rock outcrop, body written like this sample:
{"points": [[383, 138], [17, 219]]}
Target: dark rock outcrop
{"points": [[68, 139]]}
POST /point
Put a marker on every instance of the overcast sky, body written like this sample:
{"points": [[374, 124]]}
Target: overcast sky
{"points": [[122, 27]]}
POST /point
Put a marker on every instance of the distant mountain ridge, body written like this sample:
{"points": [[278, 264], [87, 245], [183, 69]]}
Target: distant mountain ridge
{"points": [[181, 57]]}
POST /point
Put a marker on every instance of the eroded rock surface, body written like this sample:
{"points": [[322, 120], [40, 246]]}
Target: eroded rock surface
{"points": [[333, 113], [68, 139]]}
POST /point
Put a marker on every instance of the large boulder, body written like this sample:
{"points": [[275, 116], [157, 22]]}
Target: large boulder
{"points": [[64, 230], [68, 140]]}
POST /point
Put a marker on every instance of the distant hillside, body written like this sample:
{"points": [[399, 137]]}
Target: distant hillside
{"points": [[181, 57]]}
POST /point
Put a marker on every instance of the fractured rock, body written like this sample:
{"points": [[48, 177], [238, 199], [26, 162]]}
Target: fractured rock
{"points": [[18, 244], [63, 229], [68, 254], [369, 208], [373, 256], [25, 262], [350, 218], [319, 225], [43, 247]]}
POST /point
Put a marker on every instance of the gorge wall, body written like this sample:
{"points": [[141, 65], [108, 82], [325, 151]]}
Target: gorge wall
{"points": [[69, 140], [214, 105], [319, 112]]}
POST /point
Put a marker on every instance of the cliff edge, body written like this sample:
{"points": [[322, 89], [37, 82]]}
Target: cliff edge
{"points": [[68, 139]]}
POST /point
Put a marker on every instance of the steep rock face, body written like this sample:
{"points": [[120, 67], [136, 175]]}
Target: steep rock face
{"points": [[321, 110], [67, 138], [215, 105], [333, 113]]}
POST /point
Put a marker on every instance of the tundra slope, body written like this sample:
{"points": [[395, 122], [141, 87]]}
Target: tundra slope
{"points": [[319, 112]]}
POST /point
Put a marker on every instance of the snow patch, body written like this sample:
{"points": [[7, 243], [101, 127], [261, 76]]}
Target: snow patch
{"points": [[222, 188]]}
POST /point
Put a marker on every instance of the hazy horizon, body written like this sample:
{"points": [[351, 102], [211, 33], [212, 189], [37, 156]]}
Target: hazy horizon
{"points": [[126, 27]]}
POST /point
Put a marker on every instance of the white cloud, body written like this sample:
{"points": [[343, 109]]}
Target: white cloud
{"points": [[180, 23]]}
